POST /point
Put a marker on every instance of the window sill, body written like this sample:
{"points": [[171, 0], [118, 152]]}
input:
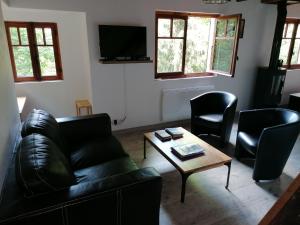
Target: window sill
{"points": [[38, 82], [186, 76], [208, 74], [292, 67]]}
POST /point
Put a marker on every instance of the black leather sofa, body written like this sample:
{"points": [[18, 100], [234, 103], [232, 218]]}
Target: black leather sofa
{"points": [[73, 171], [267, 136]]}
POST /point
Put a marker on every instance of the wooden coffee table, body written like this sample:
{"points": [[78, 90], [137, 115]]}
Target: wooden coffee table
{"points": [[211, 159]]}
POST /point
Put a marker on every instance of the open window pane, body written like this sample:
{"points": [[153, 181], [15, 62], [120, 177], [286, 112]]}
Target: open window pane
{"points": [[178, 28], [284, 50], [47, 61], [14, 36], [284, 30], [169, 55], [231, 27], [296, 52], [225, 44], [24, 36], [221, 26], [39, 36], [48, 36], [290, 30], [164, 27], [198, 34], [223, 55], [23, 61]]}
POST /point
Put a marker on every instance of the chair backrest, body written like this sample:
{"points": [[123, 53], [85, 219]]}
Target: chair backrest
{"points": [[276, 116], [214, 101]]}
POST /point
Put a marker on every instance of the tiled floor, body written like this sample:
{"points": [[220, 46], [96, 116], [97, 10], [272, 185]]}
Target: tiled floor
{"points": [[207, 201]]}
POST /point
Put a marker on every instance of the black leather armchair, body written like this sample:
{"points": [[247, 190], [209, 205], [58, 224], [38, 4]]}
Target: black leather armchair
{"points": [[268, 136], [213, 113], [73, 172]]}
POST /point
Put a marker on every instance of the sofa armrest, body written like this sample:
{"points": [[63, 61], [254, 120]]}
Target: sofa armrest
{"points": [[131, 198], [85, 127]]}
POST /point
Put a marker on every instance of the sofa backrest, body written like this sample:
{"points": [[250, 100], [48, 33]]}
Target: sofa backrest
{"points": [[41, 122], [40, 166]]}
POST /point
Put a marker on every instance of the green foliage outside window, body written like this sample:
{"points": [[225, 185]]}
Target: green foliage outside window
{"points": [[23, 61], [223, 55], [197, 44]]}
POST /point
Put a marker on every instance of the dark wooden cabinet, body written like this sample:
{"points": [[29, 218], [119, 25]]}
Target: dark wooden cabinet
{"points": [[268, 87]]}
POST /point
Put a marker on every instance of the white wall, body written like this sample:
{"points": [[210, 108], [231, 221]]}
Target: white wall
{"points": [[292, 81], [9, 119], [58, 97], [142, 98]]}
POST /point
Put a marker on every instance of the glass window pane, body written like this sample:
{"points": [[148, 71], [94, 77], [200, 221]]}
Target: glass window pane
{"points": [[14, 36], [24, 36], [223, 55], [197, 44], [169, 55], [23, 61], [296, 53], [221, 24], [164, 27], [298, 32], [290, 30], [48, 36], [231, 27], [284, 30], [47, 61], [39, 36], [178, 28], [284, 50]]}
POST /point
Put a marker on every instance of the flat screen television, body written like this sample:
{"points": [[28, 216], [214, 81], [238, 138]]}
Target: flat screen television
{"points": [[127, 42]]}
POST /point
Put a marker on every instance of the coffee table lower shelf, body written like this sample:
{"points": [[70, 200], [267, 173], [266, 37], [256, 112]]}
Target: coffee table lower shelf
{"points": [[214, 158]]}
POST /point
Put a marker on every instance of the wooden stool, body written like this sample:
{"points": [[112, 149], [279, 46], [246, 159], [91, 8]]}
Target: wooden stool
{"points": [[83, 104]]}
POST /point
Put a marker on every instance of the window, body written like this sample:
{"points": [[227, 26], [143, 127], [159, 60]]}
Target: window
{"points": [[34, 51], [195, 44], [290, 47]]}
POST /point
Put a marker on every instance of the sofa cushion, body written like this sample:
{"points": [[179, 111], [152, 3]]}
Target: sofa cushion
{"points": [[107, 169], [96, 151], [40, 165], [41, 122]]}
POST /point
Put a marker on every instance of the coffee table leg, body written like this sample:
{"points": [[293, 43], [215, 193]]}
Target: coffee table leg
{"points": [[144, 147], [228, 175], [184, 178]]}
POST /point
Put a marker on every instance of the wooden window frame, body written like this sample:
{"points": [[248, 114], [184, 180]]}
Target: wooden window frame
{"points": [[185, 15], [296, 23], [33, 46]]}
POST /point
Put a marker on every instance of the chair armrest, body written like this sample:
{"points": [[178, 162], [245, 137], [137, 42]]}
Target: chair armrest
{"points": [[229, 112], [228, 118], [85, 127], [129, 198], [274, 149]]}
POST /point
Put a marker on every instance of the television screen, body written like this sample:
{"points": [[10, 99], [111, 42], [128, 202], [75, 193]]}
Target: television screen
{"points": [[122, 41]]}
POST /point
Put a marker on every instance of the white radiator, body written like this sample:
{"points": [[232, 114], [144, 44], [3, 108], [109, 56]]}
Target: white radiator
{"points": [[176, 102]]}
